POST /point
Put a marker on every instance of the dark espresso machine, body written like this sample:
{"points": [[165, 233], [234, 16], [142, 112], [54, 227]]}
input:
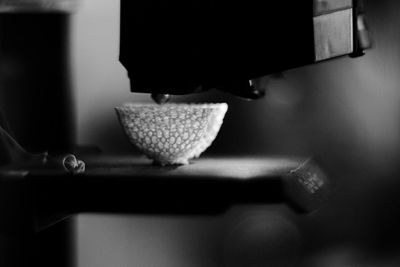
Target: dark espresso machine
{"points": [[180, 47], [172, 47]]}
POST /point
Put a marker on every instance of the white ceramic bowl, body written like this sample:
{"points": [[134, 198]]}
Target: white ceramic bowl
{"points": [[171, 133]]}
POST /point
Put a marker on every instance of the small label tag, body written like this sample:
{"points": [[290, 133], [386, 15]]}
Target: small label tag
{"points": [[311, 182], [307, 187]]}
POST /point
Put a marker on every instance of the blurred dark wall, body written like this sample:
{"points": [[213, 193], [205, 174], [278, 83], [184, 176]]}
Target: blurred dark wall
{"points": [[35, 89]]}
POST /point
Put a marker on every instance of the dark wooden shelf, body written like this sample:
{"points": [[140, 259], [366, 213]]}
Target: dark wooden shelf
{"points": [[126, 184], [32, 200]]}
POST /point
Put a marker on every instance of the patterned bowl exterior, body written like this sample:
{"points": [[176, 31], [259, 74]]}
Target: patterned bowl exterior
{"points": [[172, 133]]}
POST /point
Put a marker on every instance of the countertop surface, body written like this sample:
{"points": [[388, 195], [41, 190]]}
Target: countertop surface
{"points": [[212, 168], [209, 185]]}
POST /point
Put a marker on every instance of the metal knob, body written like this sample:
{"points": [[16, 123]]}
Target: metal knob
{"points": [[160, 98]]}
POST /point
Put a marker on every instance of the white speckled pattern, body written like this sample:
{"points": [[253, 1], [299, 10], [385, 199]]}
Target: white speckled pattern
{"points": [[172, 133]]}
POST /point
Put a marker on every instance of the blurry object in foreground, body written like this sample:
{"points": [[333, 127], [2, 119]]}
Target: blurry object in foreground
{"points": [[307, 187], [260, 236], [14, 157], [38, 5], [172, 133]]}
